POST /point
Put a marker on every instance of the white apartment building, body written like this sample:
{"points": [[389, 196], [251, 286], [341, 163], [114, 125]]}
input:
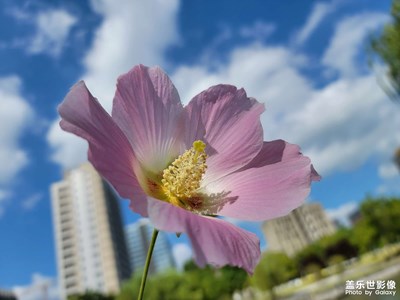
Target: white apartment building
{"points": [[293, 232], [89, 237]]}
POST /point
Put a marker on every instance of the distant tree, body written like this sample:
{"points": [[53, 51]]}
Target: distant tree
{"points": [[379, 223], [213, 283], [130, 288], [387, 47], [194, 283], [273, 269], [90, 295], [364, 236], [339, 244], [160, 286], [397, 158], [311, 259]]}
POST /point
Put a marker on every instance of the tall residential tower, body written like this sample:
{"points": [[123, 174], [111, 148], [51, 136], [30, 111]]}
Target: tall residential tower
{"points": [[89, 236]]}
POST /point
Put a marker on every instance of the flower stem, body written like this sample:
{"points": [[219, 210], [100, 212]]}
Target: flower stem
{"points": [[147, 265]]}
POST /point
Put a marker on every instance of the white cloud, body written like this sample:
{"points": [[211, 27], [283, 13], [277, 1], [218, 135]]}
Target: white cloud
{"points": [[15, 115], [31, 202], [344, 124], [123, 40], [317, 15], [52, 30], [265, 72], [343, 212], [68, 150], [259, 30], [41, 287], [182, 253], [391, 175], [388, 170], [348, 39]]}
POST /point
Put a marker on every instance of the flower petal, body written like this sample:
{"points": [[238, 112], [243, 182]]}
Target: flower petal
{"points": [[147, 109], [276, 182], [214, 241], [229, 122], [109, 150]]}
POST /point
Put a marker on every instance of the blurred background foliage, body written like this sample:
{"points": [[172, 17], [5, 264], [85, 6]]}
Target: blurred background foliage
{"points": [[192, 283], [386, 47]]}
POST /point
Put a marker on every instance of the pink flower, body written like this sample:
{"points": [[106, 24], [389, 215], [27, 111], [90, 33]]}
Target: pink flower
{"points": [[182, 166]]}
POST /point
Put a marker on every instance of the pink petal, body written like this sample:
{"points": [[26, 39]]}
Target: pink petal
{"points": [[214, 241], [229, 122], [276, 182], [109, 150], [147, 109]]}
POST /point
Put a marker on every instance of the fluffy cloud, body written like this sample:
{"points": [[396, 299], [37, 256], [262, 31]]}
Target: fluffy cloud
{"points": [[182, 253], [52, 29], [265, 72], [41, 287], [345, 44], [344, 124], [67, 150], [388, 170], [124, 39], [15, 115]]}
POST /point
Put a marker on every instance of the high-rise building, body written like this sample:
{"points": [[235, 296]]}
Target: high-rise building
{"points": [[304, 225], [138, 237], [89, 236]]}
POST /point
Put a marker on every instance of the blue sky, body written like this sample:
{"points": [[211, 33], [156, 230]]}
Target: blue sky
{"points": [[305, 59]]}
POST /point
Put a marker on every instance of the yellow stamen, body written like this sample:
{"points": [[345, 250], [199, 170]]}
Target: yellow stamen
{"points": [[181, 180]]}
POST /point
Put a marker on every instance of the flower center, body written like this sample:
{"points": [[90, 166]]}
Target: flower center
{"points": [[181, 180]]}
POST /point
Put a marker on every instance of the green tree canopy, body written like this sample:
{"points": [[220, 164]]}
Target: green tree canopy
{"points": [[387, 47], [90, 295], [379, 223], [194, 283], [339, 244], [274, 268]]}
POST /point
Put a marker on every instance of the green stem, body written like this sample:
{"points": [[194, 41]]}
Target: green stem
{"points": [[147, 265]]}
